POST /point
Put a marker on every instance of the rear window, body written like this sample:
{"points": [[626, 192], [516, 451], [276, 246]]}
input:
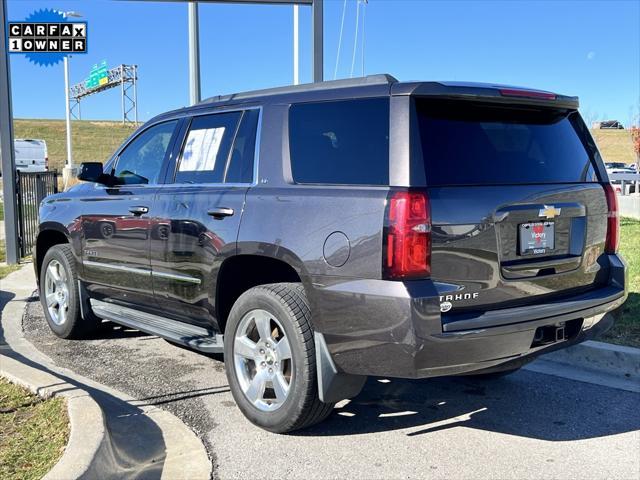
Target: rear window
{"points": [[341, 142], [474, 144]]}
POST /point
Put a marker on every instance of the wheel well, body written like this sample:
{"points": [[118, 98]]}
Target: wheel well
{"points": [[242, 272], [45, 241]]}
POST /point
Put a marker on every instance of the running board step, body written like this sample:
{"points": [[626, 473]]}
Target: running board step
{"points": [[185, 334]]}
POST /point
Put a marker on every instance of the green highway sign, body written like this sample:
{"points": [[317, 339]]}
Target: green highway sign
{"points": [[98, 76]]}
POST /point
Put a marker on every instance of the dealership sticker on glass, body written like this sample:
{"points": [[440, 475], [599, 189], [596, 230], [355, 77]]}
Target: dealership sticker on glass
{"points": [[46, 37]]}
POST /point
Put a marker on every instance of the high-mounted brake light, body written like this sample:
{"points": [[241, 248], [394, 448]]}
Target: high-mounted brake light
{"points": [[407, 235], [613, 220], [513, 92]]}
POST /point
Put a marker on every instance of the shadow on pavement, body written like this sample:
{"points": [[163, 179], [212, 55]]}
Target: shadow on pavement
{"points": [[183, 395], [524, 404]]}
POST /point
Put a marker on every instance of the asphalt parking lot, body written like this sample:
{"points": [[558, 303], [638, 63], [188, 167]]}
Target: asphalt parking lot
{"points": [[527, 425]]}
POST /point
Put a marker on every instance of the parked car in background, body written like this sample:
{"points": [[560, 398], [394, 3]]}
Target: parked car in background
{"points": [[318, 234], [614, 168], [31, 155], [611, 124], [619, 167]]}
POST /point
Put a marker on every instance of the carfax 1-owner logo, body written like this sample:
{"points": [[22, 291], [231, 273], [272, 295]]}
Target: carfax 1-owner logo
{"points": [[47, 36]]}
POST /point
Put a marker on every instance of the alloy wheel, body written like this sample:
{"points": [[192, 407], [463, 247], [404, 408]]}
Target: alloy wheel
{"points": [[262, 359], [56, 290]]}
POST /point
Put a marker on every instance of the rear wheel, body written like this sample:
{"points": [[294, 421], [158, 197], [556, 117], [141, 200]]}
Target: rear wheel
{"points": [[60, 297], [270, 358]]}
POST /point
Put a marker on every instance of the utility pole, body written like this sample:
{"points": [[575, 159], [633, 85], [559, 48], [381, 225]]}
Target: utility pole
{"points": [[194, 54], [6, 145]]}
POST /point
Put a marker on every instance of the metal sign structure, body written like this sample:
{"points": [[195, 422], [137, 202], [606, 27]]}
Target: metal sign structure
{"points": [[317, 26], [123, 76]]}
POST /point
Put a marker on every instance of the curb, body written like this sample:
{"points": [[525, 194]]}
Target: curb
{"points": [[606, 364], [85, 446], [182, 451], [617, 360], [613, 359]]}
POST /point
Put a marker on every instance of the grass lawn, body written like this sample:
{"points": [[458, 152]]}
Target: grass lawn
{"points": [[5, 269], [626, 331], [33, 432]]}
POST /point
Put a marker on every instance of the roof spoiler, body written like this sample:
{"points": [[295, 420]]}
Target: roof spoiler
{"points": [[486, 93]]}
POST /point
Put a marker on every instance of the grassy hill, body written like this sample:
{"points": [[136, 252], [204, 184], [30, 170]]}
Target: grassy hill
{"points": [[96, 140], [92, 140], [615, 145]]}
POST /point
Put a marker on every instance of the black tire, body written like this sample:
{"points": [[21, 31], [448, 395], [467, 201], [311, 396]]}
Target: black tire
{"points": [[302, 408], [74, 326]]}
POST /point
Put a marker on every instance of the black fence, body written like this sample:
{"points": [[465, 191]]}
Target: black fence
{"points": [[32, 187]]}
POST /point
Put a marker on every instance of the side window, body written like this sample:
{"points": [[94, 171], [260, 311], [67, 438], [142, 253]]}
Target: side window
{"points": [[241, 163], [207, 148], [141, 161], [341, 142]]}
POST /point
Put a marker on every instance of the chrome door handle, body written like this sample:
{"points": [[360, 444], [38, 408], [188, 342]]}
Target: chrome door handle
{"points": [[220, 212], [139, 210]]}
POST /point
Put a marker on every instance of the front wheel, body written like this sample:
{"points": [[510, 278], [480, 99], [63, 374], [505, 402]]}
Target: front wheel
{"points": [[60, 297], [270, 358]]}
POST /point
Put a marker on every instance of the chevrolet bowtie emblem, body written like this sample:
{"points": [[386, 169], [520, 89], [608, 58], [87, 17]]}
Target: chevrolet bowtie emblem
{"points": [[549, 212]]}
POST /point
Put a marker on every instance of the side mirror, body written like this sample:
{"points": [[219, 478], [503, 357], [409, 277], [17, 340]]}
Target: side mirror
{"points": [[92, 172]]}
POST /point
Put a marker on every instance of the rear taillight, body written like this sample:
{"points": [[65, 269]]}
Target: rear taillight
{"points": [[613, 220], [46, 163], [407, 236]]}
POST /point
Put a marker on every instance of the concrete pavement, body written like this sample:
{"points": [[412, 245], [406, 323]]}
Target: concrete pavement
{"points": [[528, 425]]}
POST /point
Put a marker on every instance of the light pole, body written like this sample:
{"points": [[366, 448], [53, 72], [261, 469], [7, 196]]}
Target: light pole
{"points": [[68, 170]]}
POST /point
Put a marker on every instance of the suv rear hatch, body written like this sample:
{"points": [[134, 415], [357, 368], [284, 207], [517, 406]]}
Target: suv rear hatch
{"points": [[518, 214]]}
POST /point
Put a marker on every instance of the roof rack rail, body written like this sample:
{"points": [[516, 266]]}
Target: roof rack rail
{"points": [[380, 79]]}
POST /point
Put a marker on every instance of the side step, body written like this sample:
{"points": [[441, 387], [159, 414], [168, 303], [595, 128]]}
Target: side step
{"points": [[185, 334]]}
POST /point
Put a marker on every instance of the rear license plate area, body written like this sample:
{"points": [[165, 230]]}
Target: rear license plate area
{"points": [[536, 238]]}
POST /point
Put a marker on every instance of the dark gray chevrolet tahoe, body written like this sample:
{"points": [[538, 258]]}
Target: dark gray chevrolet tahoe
{"points": [[322, 233]]}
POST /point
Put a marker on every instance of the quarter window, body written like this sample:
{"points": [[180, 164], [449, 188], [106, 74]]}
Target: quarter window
{"points": [[242, 159], [141, 161], [341, 142]]}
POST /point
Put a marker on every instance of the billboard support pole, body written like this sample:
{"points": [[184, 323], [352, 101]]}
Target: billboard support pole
{"points": [[6, 146], [318, 40], [296, 48], [194, 54]]}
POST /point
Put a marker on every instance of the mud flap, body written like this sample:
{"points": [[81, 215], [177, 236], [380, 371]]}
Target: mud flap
{"points": [[86, 312], [334, 386]]}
